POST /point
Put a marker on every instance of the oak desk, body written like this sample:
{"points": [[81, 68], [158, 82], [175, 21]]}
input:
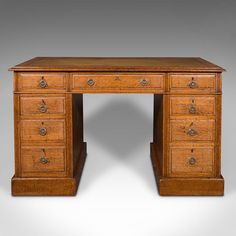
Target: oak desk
{"points": [[50, 150]]}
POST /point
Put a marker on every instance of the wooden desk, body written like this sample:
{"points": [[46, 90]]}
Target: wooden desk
{"points": [[50, 150]]}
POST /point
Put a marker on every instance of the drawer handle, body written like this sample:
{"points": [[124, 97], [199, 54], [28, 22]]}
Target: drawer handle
{"points": [[90, 82], [192, 132], [193, 84], [192, 109], [42, 131], [144, 82], [44, 160], [43, 83], [192, 161], [42, 107]]}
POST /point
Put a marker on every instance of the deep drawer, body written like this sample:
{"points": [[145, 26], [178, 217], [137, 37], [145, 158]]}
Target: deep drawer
{"points": [[38, 162], [191, 162]]}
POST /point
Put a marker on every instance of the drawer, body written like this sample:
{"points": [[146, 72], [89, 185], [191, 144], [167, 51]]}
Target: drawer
{"points": [[41, 82], [191, 162], [43, 130], [192, 130], [42, 105], [193, 105], [38, 162], [193, 83], [117, 81]]}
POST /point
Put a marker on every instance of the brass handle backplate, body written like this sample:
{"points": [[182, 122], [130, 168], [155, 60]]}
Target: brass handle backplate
{"points": [[144, 82], [90, 82], [42, 107], [191, 132], [43, 83], [192, 161], [43, 160], [42, 131], [193, 84], [192, 109]]}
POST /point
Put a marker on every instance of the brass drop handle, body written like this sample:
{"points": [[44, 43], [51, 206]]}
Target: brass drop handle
{"points": [[191, 132], [192, 161], [43, 83], [144, 82], [44, 160], [192, 109], [90, 82], [42, 131], [42, 107], [193, 84]]}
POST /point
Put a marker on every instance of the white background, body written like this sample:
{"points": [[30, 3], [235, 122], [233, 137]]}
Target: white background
{"points": [[117, 193]]}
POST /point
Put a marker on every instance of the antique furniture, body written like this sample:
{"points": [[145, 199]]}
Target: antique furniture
{"points": [[50, 150]]}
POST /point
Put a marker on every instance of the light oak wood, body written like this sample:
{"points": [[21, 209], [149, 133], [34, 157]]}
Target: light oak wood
{"points": [[31, 82], [37, 105], [43, 161], [192, 105], [191, 162], [48, 93], [180, 129]]}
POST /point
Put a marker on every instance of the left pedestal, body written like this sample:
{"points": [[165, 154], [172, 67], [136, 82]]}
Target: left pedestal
{"points": [[49, 147]]}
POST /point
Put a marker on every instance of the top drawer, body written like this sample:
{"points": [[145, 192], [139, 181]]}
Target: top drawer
{"points": [[41, 82], [99, 82], [193, 83]]}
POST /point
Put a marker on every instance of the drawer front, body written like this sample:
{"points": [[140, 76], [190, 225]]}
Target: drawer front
{"points": [[192, 105], [193, 83], [43, 105], [43, 130], [191, 162], [192, 130], [41, 82], [37, 162], [118, 81]]}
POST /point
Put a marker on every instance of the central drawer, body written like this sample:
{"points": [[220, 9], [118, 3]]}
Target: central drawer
{"points": [[99, 81], [43, 130]]}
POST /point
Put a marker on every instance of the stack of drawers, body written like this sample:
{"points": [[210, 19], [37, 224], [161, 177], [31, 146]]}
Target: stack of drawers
{"points": [[193, 126], [40, 108]]}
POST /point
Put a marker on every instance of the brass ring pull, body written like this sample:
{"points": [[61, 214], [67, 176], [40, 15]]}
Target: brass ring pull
{"points": [[192, 84], [43, 83], [144, 82], [42, 131], [192, 132], [192, 161], [90, 82], [44, 160], [192, 109], [42, 107]]}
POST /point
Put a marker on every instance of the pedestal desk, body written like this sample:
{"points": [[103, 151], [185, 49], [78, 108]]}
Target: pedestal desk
{"points": [[50, 151]]}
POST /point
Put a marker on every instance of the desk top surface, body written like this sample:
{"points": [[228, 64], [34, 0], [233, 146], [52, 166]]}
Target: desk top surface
{"points": [[186, 64]]}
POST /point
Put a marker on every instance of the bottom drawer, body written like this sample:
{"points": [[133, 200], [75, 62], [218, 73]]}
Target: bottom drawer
{"points": [[191, 162], [38, 162]]}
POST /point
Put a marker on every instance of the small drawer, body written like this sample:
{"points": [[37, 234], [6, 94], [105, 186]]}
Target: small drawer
{"points": [[42, 105], [191, 162], [194, 105], [193, 83], [41, 82], [117, 81], [38, 162], [43, 130], [192, 130]]}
